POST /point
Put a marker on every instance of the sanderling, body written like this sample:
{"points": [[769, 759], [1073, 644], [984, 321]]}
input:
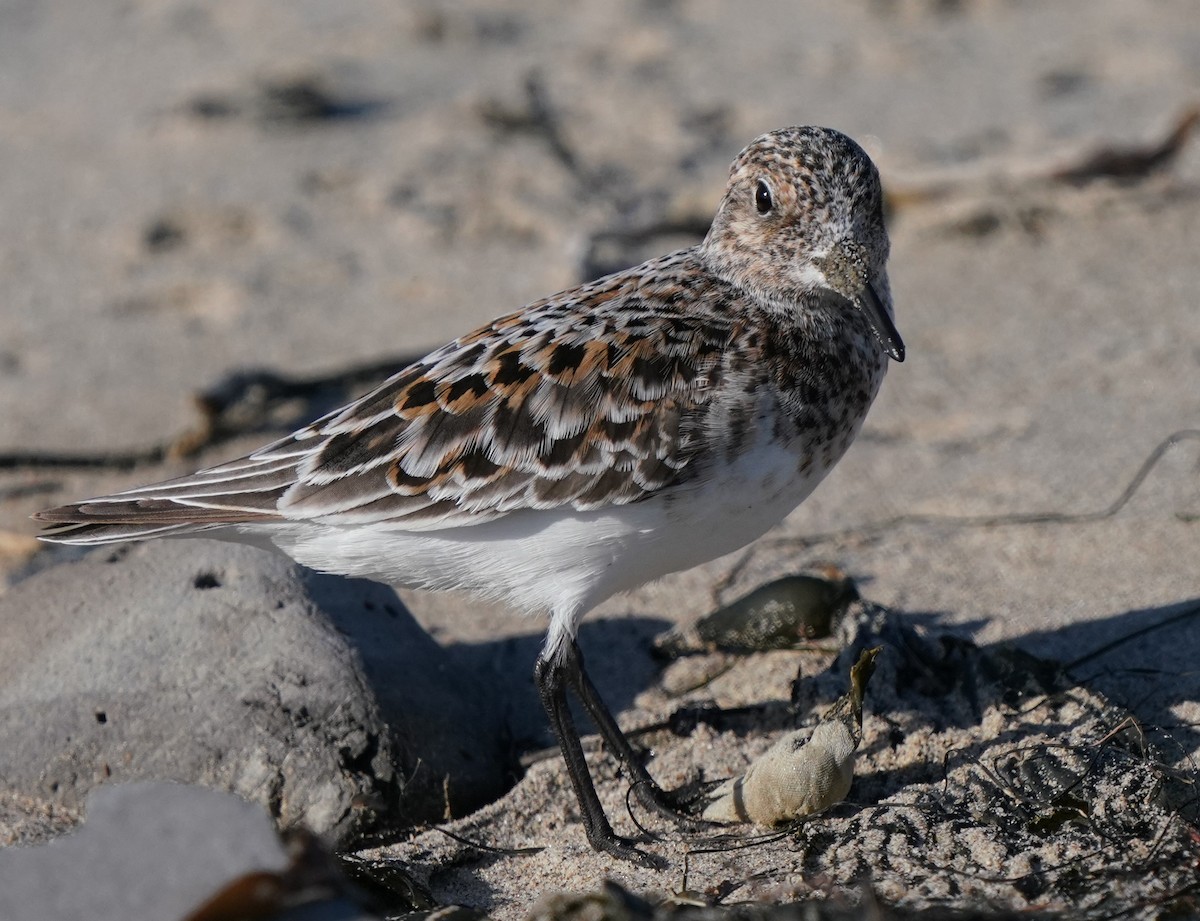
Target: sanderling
{"points": [[634, 426]]}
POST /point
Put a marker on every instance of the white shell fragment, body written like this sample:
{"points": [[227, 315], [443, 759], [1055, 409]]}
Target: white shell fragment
{"points": [[803, 773]]}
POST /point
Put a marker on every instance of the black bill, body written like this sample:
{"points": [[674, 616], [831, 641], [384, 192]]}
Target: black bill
{"points": [[881, 323]]}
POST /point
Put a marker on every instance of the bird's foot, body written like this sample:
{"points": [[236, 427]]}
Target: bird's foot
{"points": [[678, 806], [608, 842]]}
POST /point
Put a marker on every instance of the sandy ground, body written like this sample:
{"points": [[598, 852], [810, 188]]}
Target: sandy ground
{"points": [[191, 190]]}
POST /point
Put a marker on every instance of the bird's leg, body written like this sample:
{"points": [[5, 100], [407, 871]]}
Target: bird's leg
{"points": [[648, 792], [549, 675]]}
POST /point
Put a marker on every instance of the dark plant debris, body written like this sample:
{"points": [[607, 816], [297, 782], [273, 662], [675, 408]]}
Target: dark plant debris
{"points": [[302, 100]]}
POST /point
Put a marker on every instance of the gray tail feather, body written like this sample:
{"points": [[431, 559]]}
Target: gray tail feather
{"points": [[114, 519], [243, 491], [94, 533]]}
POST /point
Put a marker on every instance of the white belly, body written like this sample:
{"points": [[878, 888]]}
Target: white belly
{"points": [[565, 562]]}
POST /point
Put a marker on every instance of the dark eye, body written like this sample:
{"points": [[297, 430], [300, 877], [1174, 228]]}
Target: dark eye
{"points": [[762, 197]]}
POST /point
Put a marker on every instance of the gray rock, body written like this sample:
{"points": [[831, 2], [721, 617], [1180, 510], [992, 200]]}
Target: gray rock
{"points": [[222, 665], [148, 852]]}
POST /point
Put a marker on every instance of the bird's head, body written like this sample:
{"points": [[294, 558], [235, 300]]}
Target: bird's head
{"points": [[802, 217]]}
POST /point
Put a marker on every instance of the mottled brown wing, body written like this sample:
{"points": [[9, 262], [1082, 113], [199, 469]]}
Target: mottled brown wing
{"points": [[554, 406], [588, 399]]}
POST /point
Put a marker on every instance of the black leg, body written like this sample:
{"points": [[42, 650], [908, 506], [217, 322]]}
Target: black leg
{"points": [[549, 679], [647, 790]]}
